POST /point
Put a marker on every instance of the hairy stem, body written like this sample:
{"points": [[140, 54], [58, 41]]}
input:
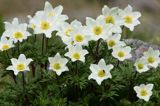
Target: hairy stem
{"points": [[35, 37], [43, 43], [23, 81], [97, 51], [18, 47], [47, 44]]}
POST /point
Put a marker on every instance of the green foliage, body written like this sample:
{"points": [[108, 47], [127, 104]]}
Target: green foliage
{"points": [[72, 88]]}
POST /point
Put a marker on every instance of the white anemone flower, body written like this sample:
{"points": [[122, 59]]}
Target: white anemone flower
{"points": [[79, 35], [97, 29], [44, 25], [32, 21], [5, 44], [16, 31], [144, 91], [141, 65], [58, 64], [53, 12], [114, 41], [100, 71], [152, 57], [76, 53], [130, 17], [20, 65], [122, 53], [65, 31], [110, 16]]}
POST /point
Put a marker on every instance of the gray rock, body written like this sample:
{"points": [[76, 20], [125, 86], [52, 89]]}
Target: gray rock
{"points": [[139, 47]]}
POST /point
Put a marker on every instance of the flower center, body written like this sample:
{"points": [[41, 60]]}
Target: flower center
{"points": [[128, 19], [97, 30], [56, 66], [18, 35], [140, 66], [68, 31], [20, 67], [101, 73], [45, 25], [121, 54], [51, 14], [5, 47], [33, 26], [109, 19], [76, 56], [143, 92], [79, 38], [72, 42], [111, 43], [151, 59]]}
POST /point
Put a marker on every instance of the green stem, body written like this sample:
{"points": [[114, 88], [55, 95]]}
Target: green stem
{"points": [[43, 43], [18, 47], [35, 37], [23, 81], [47, 44], [124, 33], [7, 55], [76, 67], [97, 51]]}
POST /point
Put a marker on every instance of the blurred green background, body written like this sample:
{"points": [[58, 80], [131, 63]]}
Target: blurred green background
{"points": [[148, 31]]}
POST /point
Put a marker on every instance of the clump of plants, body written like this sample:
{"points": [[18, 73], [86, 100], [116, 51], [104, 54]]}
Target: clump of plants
{"points": [[53, 62]]}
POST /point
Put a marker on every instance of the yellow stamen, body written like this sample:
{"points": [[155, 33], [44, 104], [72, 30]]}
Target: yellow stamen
{"points": [[97, 30], [140, 66], [33, 26], [110, 19], [45, 25], [111, 43], [20, 67], [56, 66], [128, 19], [68, 31], [151, 59], [143, 92], [79, 38], [18, 35], [101, 73], [76, 56], [5, 47], [121, 54], [51, 14]]}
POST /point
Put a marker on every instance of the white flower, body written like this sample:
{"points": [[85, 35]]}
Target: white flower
{"points": [[97, 29], [144, 91], [54, 12], [48, 20], [122, 53], [100, 71], [76, 53], [65, 31], [114, 41], [78, 34], [44, 25], [130, 17], [20, 64], [58, 64], [32, 21], [110, 16], [16, 31], [141, 65], [5, 43], [152, 57]]}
